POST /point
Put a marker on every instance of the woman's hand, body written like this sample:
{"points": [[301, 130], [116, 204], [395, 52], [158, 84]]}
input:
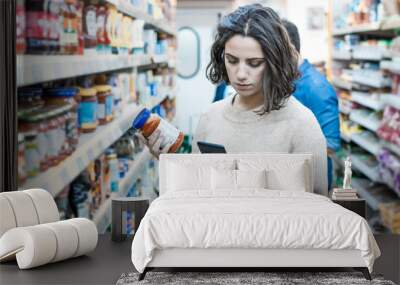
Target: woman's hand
{"points": [[154, 143]]}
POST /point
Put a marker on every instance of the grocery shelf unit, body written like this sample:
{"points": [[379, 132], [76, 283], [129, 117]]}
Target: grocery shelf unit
{"points": [[367, 98], [39, 69], [102, 217]]}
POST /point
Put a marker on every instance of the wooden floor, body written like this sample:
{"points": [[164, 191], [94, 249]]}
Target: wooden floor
{"points": [[111, 259]]}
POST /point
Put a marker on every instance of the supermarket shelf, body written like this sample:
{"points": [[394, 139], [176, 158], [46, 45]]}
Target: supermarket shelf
{"points": [[357, 29], [368, 53], [391, 65], [392, 100], [387, 25], [371, 172], [373, 194], [391, 23], [102, 217], [337, 160], [365, 99], [376, 82], [344, 111], [341, 83], [370, 123], [390, 146], [128, 9], [345, 137], [33, 69], [341, 55], [370, 145], [90, 146]]}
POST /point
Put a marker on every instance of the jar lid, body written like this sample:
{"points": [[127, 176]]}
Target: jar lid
{"points": [[102, 88], [87, 92], [62, 92], [141, 119], [111, 156]]}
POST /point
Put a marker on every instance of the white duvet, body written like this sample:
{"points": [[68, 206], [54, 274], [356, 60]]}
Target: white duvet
{"points": [[250, 219]]}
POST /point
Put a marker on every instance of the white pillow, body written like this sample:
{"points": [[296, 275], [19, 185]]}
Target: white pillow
{"points": [[182, 177], [292, 175], [227, 179], [193, 174], [251, 178], [223, 179], [292, 180]]}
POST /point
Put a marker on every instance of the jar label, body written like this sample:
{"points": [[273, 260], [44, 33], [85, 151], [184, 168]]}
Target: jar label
{"points": [[109, 106], [169, 132], [91, 23], [87, 113], [32, 158], [101, 24], [101, 111], [53, 142], [43, 146]]}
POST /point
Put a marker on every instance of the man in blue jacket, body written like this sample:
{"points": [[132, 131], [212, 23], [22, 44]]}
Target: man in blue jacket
{"points": [[317, 94]]}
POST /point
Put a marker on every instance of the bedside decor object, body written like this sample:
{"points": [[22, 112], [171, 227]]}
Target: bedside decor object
{"points": [[127, 212], [347, 192], [347, 174], [32, 233]]}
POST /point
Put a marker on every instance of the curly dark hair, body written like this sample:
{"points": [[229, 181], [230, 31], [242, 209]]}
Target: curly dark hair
{"points": [[265, 26]]}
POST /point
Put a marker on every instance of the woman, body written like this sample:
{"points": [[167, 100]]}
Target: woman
{"points": [[252, 53]]}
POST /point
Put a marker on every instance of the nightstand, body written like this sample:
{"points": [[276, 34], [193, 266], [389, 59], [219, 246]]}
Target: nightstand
{"points": [[357, 206], [121, 207]]}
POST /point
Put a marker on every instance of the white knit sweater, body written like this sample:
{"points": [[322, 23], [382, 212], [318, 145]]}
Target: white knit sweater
{"points": [[292, 129]]}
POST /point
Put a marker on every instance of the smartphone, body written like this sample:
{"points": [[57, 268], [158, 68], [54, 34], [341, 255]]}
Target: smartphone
{"points": [[206, 147]]}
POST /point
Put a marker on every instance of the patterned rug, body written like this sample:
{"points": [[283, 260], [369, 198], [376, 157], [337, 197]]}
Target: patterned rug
{"points": [[242, 278]]}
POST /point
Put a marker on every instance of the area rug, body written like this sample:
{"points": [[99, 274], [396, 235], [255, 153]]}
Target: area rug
{"points": [[242, 278]]}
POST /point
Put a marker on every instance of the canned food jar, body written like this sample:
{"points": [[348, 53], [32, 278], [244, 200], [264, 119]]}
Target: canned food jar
{"points": [[31, 154], [148, 123], [112, 162], [60, 97], [105, 104], [87, 110]]}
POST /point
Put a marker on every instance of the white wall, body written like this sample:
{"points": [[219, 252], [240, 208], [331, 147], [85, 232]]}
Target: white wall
{"points": [[314, 43], [196, 94]]}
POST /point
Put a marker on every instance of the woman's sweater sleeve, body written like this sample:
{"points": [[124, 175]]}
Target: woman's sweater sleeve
{"points": [[309, 138]]}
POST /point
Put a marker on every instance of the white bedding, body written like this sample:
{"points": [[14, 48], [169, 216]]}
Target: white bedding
{"points": [[250, 219]]}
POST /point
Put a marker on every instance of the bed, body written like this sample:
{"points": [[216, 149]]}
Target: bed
{"points": [[247, 210]]}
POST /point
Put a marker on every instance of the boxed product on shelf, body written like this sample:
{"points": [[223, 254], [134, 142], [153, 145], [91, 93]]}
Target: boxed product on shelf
{"points": [[389, 129], [84, 27], [53, 26], [79, 196], [389, 169], [390, 215], [357, 12]]}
